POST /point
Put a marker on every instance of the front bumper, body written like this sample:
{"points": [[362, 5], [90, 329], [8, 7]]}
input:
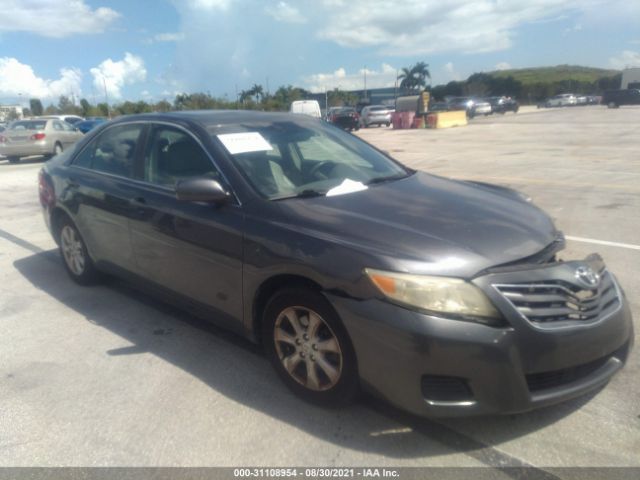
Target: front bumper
{"points": [[405, 356], [482, 109]]}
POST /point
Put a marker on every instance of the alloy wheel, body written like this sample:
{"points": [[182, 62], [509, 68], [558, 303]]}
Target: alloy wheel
{"points": [[72, 250], [307, 348]]}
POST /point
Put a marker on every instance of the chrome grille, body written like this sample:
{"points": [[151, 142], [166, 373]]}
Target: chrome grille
{"points": [[551, 303]]}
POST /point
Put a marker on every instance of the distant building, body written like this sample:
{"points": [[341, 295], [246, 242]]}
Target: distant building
{"points": [[9, 112], [630, 78], [371, 96]]}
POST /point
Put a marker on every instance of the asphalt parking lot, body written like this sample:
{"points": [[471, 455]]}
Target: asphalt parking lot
{"points": [[108, 376]]}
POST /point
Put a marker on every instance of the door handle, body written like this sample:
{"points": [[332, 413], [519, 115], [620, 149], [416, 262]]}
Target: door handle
{"points": [[140, 201]]}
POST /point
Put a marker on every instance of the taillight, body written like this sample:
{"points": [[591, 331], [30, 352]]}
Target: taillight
{"points": [[38, 136], [45, 190]]}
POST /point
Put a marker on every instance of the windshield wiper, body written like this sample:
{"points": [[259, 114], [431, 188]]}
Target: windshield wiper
{"points": [[308, 193], [386, 179]]}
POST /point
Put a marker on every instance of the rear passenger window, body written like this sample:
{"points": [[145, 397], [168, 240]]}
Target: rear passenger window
{"points": [[172, 154], [112, 152]]}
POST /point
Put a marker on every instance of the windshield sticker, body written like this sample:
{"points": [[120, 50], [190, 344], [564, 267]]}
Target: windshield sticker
{"points": [[244, 142], [348, 186]]}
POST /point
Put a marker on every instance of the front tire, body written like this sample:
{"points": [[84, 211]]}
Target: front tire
{"points": [[75, 256], [309, 347]]}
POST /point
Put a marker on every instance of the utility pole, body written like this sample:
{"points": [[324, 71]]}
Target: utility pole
{"points": [[365, 82], [326, 101], [106, 96], [395, 94]]}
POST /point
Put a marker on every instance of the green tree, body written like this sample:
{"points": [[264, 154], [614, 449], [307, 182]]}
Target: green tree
{"points": [[66, 106], [414, 77], [52, 110], [36, 106], [162, 106], [103, 108], [338, 98], [86, 107], [257, 91], [12, 115]]}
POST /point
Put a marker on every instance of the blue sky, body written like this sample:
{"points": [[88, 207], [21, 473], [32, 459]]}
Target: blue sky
{"points": [[154, 49]]}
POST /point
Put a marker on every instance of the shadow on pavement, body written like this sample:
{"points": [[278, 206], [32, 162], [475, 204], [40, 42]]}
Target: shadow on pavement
{"points": [[236, 368]]}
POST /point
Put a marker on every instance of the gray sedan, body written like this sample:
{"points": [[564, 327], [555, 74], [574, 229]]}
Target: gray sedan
{"points": [[444, 297], [48, 137]]}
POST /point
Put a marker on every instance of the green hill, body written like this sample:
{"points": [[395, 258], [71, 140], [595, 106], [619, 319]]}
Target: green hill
{"points": [[558, 73]]}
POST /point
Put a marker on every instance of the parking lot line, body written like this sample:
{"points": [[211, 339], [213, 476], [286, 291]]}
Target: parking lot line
{"points": [[603, 242]]}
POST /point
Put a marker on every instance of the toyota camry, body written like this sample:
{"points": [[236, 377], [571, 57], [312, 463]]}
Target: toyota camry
{"points": [[443, 297]]}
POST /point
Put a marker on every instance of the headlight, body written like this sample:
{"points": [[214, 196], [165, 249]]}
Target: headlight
{"points": [[440, 295]]}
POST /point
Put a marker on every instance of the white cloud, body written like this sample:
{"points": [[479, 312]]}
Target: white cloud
{"points": [[207, 5], [318, 82], [19, 79], [115, 75], [168, 37], [165, 38], [576, 28], [451, 73], [61, 19], [416, 27], [283, 12], [626, 59], [503, 66]]}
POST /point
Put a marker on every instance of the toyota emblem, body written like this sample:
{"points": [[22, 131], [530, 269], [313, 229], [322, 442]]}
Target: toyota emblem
{"points": [[587, 276]]}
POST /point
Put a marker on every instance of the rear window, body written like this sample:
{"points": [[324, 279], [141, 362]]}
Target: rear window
{"points": [[378, 109], [28, 125]]}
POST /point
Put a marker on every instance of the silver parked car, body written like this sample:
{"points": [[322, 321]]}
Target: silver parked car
{"points": [[562, 100], [39, 136], [375, 115]]}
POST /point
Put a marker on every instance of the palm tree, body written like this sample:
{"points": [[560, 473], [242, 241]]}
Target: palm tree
{"points": [[414, 77], [406, 79], [245, 94], [257, 91]]}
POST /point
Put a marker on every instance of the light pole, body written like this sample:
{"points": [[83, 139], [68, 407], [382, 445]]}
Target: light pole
{"points": [[106, 96]]}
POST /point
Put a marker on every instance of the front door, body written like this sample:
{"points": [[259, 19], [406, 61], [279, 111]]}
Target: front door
{"points": [[194, 249]]}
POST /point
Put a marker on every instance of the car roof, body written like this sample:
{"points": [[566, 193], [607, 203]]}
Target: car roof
{"points": [[213, 117]]}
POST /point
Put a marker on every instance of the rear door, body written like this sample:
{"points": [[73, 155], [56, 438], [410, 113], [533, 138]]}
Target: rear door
{"points": [[102, 186], [192, 248]]}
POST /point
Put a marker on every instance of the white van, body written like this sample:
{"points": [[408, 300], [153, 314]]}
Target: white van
{"points": [[306, 107]]}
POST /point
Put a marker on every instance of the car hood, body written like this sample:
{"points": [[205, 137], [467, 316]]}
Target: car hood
{"points": [[426, 224]]}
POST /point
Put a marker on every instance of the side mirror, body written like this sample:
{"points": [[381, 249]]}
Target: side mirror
{"points": [[201, 190]]}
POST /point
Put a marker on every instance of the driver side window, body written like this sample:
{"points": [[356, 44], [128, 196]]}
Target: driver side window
{"points": [[172, 154]]}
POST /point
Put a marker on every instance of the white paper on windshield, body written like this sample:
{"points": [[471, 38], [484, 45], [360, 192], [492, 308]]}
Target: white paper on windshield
{"points": [[347, 186], [244, 142]]}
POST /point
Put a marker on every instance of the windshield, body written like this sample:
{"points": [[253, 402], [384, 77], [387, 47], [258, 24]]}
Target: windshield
{"points": [[290, 158]]}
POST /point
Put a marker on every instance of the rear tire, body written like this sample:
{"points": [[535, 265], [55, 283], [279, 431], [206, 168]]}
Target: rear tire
{"points": [[13, 159], [75, 256], [612, 105], [57, 149], [309, 347]]}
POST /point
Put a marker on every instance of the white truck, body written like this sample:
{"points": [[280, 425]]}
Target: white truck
{"points": [[306, 107]]}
